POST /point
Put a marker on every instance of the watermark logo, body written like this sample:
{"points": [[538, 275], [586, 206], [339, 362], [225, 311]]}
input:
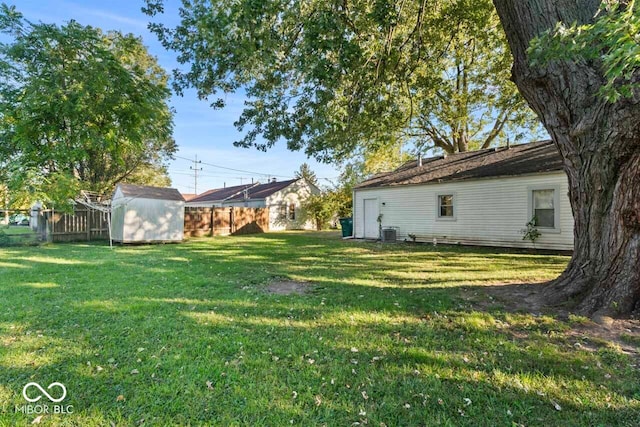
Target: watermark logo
{"points": [[43, 391], [56, 393]]}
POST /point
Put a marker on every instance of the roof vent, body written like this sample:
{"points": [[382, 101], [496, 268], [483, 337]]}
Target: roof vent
{"points": [[419, 159], [273, 179]]}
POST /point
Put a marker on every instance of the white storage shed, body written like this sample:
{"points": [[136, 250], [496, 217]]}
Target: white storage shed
{"points": [[141, 214]]}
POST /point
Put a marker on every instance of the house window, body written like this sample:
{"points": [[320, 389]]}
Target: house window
{"points": [[544, 209], [292, 212], [445, 206], [283, 211]]}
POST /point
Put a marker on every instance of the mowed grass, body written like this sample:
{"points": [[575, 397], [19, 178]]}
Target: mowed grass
{"points": [[16, 229], [188, 335], [17, 235]]}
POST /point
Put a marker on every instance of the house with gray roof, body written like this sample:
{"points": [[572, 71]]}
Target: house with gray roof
{"points": [[483, 197], [283, 199]]}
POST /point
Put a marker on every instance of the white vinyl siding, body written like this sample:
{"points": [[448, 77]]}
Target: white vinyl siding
{"points": [[491, 212]]}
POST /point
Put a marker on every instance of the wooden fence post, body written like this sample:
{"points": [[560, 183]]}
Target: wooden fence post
{"points": [[211, 221], [88, 224], [234, 218]]}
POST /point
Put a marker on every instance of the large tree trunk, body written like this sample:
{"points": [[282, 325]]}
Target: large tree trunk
{"points": [[600, 145]]}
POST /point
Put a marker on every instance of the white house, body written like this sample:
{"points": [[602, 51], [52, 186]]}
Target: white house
{"points": [[146, 214], [284, 200], [482, 197]]}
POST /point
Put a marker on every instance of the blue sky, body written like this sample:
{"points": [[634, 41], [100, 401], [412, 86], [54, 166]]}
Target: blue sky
{"points": [[199, 129]]}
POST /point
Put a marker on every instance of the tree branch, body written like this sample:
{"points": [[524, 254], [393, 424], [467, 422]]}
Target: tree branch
{"points": [[497, 128]]}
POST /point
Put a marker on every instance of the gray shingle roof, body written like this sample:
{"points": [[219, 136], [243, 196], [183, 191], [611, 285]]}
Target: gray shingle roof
{"points": [[146, 192], [265, 190], [255, 191], [535, 157], [219, 194]]}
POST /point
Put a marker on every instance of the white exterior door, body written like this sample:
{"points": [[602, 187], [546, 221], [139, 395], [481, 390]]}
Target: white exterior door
{"points": [[371, 219]]}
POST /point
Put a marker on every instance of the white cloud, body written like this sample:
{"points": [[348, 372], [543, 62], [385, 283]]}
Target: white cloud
{"points": [[132, 23]]}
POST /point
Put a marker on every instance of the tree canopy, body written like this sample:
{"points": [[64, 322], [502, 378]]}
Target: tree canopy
{"points": [[612, 40], [329, 77], [79, 108]]}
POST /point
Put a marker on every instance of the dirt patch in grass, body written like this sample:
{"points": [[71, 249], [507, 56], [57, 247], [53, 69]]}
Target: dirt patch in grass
{"points": [[527, 298], [512, 297], [622, 332], [288, 287]]}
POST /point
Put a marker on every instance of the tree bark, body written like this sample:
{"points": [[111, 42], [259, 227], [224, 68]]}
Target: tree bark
{"points": [[600, 144]]}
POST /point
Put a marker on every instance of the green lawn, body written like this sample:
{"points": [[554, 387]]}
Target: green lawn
{"points": [[188, 334], [17, 235], [16, 229]]}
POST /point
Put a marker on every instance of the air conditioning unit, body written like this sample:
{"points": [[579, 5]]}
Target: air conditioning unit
{"points": [[389, 234]]}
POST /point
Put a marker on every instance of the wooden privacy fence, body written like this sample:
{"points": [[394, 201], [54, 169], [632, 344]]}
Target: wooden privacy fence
{"points": [[82, 224], [199, 221]]}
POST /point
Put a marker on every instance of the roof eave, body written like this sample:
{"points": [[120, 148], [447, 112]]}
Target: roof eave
{"points": [[454, 180]]}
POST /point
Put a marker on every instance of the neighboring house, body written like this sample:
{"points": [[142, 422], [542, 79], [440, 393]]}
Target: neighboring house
{"points": [[146, 214], [284, 200], [482, 197]]}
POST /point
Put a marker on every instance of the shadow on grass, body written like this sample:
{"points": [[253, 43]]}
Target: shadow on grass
{"points": [[210, 346], [176, 352]]}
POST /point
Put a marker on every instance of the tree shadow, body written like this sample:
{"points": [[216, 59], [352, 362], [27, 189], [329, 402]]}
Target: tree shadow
{"points": [[185, 316]]}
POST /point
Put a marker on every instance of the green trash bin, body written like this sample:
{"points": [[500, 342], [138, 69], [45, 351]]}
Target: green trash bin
{"points": [[347, 227]]}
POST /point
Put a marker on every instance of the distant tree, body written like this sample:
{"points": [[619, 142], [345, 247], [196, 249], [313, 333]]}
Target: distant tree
{"points": [[79, 108], [384, 157], [319, 209], [342, 201], [307, 174], [155, 175], [341, 196]]}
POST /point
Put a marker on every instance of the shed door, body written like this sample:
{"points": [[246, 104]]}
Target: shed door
{"points": [[371, 219]]}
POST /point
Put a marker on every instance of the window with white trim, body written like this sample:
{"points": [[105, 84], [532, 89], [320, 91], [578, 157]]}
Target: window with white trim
{"points": [[445, 206], [292, 212], [543, 202]]}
